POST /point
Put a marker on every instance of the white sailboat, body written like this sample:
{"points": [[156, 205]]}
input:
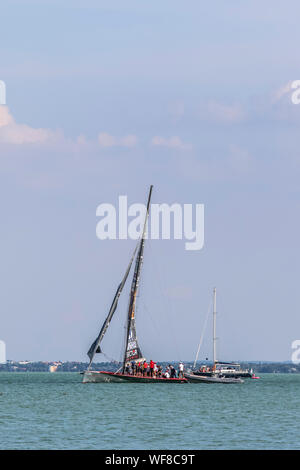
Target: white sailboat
{"points": [[215, 375]]}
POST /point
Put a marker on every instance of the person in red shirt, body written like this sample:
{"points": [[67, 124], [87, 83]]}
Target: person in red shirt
{"points": [[145, 367], [151, 368]]}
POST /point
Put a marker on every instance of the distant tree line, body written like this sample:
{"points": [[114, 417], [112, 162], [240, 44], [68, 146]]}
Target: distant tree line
{"points": [[22, 366]]}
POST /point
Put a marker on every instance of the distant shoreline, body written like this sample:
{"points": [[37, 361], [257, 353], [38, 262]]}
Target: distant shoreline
{"points": [[74, 366]]}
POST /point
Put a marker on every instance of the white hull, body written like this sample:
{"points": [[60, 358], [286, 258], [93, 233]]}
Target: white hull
{"points": [[213, 379], [90, 376]]}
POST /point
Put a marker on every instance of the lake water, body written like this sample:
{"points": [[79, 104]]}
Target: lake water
{"points": [[57, 411]]}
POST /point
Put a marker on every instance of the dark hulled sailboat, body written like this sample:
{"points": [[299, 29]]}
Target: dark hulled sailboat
{"points": [[132, 349]]}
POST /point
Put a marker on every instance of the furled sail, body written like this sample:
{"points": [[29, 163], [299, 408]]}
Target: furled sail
{"points": [[95, 347], [133, 351]]}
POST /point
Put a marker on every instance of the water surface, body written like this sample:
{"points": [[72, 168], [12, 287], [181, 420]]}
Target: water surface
{"points": [[57, 411]]}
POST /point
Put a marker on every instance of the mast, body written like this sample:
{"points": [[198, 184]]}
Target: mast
{"points": [[214, 329], [132, 349]]}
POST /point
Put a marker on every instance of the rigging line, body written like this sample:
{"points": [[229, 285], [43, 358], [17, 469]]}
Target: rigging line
{"points": [[120, 353], [169, 308], [111, 359], [156, 329], [202, 334], [124, 338]]}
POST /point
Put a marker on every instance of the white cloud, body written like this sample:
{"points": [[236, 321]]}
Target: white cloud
{"points": [[14, 133], [5, 116], [225, 113], [282, 91], [129, 141], [81, 140], [173, 142], [107, 140]]}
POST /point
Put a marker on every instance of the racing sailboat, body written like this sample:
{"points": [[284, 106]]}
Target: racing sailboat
{"points": [[132, 353]]}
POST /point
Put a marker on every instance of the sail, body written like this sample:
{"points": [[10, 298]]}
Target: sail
{"points": [[132, 350], [95, 347]]}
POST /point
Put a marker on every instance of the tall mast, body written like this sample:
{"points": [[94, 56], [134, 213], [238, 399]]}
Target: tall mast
{"points": [[132, 350], [214, 328]]}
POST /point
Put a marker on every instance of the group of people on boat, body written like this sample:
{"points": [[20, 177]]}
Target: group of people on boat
{"points": [[152, 369], [206, 369]]}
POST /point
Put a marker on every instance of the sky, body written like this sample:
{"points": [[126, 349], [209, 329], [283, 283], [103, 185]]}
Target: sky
{"points": [[105, 98]]}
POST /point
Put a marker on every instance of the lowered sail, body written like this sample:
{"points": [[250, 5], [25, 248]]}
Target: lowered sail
{"points": [[133, 351], [95, 348]]}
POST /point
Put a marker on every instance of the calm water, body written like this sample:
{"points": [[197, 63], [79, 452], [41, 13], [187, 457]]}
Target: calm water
{"points": [[56, 411]]}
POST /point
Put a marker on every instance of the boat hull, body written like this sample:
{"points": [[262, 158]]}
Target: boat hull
{"points": [[231, 374], [209, 379], [105, 376]]}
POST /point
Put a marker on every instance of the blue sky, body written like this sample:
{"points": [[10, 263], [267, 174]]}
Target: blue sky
{"points": [[90, 87]]}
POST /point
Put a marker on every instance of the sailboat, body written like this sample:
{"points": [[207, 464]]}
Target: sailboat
{"points": [[132, 352], [215, 375]]}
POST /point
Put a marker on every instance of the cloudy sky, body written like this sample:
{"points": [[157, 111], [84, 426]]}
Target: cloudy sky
{"points": [[105, 98]]}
